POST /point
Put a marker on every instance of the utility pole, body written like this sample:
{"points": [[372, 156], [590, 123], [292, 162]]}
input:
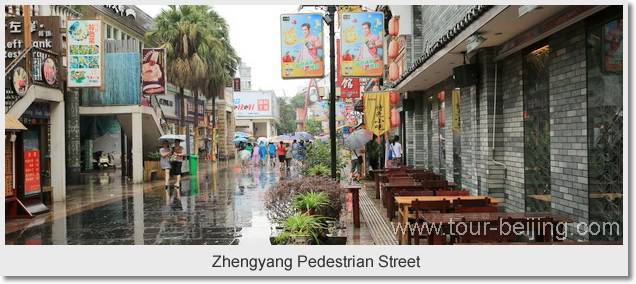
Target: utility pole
{"points": [[331, 9]]}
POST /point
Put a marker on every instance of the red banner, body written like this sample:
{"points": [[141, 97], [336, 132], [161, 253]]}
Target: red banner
{"points": [[31, 172], [349, 87]]}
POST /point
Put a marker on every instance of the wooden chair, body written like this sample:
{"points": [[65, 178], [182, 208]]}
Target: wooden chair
{"points": [[482, 232], [422, 176], [436, 184], [471, 202], [489, 209], [452, 193], [391, 208], [425, 207]]}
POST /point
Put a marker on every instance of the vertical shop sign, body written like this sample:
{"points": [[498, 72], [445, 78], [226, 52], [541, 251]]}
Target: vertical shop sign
{"points": [[85, 54], [31, 163], [377, 109], [153, 71], [362, 45], [302, 54]]}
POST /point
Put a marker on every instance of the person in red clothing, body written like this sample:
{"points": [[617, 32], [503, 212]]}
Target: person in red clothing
{"points": [[280, 151]]}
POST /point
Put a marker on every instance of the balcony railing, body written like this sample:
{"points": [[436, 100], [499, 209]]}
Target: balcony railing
{"points": [[32, 60]]}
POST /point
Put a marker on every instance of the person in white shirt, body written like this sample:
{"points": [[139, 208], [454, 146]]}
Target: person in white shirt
{"points": [[396, 152]]}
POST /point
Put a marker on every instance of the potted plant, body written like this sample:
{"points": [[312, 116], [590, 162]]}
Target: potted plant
{"points": [[310, 201], [318, 170], [279, 198], [300, 229]]}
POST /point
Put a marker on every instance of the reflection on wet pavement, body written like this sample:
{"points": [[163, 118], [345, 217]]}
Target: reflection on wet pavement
{"points": [[217, 207]]}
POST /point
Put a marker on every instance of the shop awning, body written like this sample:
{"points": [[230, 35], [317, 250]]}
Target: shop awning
{"points": [[11, 123]]}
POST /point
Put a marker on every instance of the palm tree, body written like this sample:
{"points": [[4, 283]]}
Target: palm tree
{"points": [[200, 56], [182, 32]]}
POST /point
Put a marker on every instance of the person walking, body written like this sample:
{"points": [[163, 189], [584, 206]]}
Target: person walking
{"points": [[272, 154], [179, 152], [288, 156], [295, 152], [396, 153], [166, 153], [280, 150], [256, 155], [250, 148], [262, 148], [356, 165]]}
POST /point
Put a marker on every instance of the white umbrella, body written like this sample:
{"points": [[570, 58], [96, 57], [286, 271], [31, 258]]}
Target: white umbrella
{"points": [[357, 139], [171, 137]]}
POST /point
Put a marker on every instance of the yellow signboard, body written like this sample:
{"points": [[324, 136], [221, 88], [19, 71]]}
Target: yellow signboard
{"points": [[377, 111]]}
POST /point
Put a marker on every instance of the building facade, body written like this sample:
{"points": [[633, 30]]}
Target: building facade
{"points": [[522, 103]]}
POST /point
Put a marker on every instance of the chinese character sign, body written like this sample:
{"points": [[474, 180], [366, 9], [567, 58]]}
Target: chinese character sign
{"points": [[84, 53], [377, 110], [362, 46], [302, 46], [153, 71], [31, 163]]}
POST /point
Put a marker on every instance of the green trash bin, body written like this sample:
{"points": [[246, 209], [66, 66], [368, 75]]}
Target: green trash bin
{"points": [[194, 164]]}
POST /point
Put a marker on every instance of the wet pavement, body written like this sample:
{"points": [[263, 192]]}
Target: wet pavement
{"points": [[222, 205]]}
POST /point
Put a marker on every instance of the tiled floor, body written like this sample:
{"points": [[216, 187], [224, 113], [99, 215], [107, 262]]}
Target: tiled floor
{"points": [[221, 205]]}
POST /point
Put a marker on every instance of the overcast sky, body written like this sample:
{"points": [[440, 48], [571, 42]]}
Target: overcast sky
{"points": [[255, 34]]}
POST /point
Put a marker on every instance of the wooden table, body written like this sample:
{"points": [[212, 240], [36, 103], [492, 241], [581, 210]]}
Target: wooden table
{"points": [[404, 205], [445, 219], [393, 188], [355, 199]]}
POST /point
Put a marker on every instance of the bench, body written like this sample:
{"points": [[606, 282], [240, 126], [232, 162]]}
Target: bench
{"points": [[150, 175]]}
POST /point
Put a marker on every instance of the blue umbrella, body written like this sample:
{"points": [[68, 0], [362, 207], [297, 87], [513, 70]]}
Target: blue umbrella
{"points": [[304, 136], [283, 138], [296, 137], [239, 140]]}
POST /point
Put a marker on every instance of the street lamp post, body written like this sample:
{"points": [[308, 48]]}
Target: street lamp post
{"points": [[331, 9]]}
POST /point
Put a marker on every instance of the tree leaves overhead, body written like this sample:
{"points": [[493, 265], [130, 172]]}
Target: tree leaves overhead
{"points": [[200, 56]]}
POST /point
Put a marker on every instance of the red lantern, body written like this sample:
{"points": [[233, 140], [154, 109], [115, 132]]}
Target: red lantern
{"points": [[394, 97], [394, 49], [394, 26], [395, 117], [394, 71]]}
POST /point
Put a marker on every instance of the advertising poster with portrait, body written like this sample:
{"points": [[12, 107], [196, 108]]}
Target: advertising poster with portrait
{"points": [[613, 45], [321, 111], [346, 88], [362, 47], [153, 71], [302, 52], [341, 111]]}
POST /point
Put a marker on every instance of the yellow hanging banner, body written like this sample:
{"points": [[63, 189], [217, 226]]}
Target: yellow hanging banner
{"points": [[377, 111]]}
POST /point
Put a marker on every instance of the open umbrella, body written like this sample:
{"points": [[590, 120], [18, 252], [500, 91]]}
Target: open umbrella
{"points": [[304, 136], [251, 139], [241, 134], [239, 140], [264, 139], [323, 139], [283, 138], [171, 137], [357, 139]]}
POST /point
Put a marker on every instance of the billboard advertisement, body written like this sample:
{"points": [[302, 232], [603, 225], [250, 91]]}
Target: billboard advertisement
{"points": [[302, 53], [362, 46], [346, 87], [153, 71], [254, 104], [321, 111], [85, 53]]}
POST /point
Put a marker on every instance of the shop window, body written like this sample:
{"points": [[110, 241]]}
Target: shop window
{"points": [[536, 124], [605, 127], [429, 137]]}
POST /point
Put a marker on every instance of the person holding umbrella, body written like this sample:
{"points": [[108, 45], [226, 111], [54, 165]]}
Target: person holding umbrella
{"points": [[178, 152], [356, 165], [256, 154], [166, 153], [262, 148]]}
